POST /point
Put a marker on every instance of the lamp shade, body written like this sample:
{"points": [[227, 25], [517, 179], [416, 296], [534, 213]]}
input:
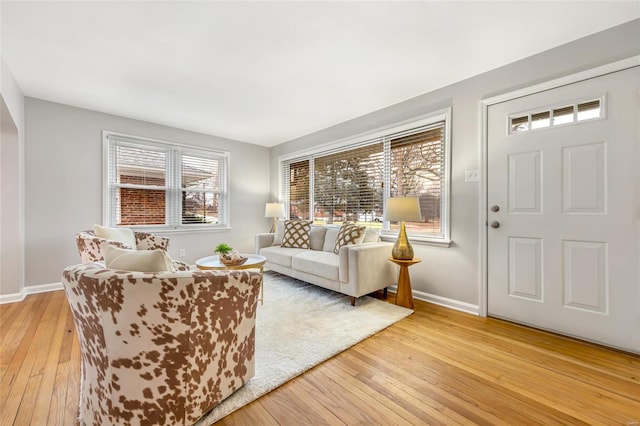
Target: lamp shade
{"points": [[403, 208], [274, 210]]}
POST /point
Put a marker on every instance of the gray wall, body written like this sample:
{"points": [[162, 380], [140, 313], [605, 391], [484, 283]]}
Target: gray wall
{"points": [[64, 186], [11, 184], [453, 273]]}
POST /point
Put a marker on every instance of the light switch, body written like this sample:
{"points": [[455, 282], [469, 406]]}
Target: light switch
{"points": [[472, 176]]}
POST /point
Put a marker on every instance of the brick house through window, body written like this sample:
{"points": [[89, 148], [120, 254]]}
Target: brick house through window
{"points": [[152, 183], [142, 206]]}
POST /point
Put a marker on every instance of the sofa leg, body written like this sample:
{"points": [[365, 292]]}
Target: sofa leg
{"points": [[353, 301], [385, 292]]}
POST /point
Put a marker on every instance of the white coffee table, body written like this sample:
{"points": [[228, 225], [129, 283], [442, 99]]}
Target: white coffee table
{"points": [[253, 261]]}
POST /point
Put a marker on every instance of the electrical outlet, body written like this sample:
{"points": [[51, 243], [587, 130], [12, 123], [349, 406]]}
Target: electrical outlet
{"points": [[472, 176], [182, 253]]}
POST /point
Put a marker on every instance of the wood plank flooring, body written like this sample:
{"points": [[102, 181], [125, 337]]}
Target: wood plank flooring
{"points": [[438, 366]]}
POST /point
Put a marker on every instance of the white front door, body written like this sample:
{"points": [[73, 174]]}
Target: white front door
{"points": [[564, 201]]}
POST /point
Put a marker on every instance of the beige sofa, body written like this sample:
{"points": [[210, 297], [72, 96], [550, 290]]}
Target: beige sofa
{"points": [[357, 269]]}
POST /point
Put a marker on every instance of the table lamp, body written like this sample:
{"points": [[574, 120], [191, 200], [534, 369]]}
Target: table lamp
{"points": [[401, 209], [274, 210]]}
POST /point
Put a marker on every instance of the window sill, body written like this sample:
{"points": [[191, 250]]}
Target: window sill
{"points": [[166, 230], [420, 241]]}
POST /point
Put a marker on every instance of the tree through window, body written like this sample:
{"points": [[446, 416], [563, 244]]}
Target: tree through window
{"points": [[351, 183]]}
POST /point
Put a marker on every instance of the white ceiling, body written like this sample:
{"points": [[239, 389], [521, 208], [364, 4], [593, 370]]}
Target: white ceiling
{"points": [[268, 72]]}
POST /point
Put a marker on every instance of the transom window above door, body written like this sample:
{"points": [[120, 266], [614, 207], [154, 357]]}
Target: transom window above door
{"points": [[556, 116]]}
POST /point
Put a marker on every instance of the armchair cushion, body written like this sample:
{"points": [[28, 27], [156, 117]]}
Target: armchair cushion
{"points": [[91, 247], [137, 260], [122, 235]]}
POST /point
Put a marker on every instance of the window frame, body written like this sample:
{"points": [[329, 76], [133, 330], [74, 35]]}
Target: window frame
{"points": [[551, 109], [173, 184], [375, 136]]}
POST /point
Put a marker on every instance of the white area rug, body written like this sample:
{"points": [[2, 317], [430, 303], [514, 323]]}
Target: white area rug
{"points": [[299, 326]]}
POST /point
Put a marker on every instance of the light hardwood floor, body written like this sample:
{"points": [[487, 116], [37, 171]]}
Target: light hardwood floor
{"points": [[438, 366]]}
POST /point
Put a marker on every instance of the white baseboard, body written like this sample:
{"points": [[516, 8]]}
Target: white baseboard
{"points": [[443, 301], [425, 297], [34, 289]]}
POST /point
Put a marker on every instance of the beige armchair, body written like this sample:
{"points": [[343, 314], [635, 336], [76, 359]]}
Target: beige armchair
{"points": [[161, 348], [91, 247]]}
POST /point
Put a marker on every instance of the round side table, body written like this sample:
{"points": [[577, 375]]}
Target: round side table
{"points": [[404, 296]]}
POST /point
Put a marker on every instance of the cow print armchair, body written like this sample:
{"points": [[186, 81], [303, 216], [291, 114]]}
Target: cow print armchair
{"points": [[161, 348], [91, 247]]}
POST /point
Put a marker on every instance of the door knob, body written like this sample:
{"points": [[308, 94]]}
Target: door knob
{"points": [[495, 209], [495, 224]]}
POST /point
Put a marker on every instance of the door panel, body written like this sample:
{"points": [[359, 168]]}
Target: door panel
{"points": [[585, 275], [525, 182], [525, 268], [565, 255], [584, 188]]}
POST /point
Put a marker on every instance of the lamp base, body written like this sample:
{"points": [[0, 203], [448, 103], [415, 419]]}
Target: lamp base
{"points": [[402, 249], [273, 227]]}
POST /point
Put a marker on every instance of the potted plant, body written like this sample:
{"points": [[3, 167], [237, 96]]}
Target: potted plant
{"points": [[228, 255], [223, 249]]}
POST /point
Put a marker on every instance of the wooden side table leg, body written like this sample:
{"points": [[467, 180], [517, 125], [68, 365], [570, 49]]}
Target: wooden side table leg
{"points": [[404, 296]]}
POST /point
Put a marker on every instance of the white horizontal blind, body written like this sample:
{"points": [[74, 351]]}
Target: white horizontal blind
{"points": [[351, 182], [348, 185], [417, 166], [201, 184], [140, 186], [296, 187], [150, 183]]}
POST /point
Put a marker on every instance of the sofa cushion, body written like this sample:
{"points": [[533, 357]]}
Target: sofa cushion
{"points": [[316, 240], [280, 255], [121, 235], [349, 234], [296, 234], [319, 263], [371, 236], [137, 260], [277, 238], [330, 238]]}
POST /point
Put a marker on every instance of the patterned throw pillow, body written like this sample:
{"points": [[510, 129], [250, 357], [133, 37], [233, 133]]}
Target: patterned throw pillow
{"points": [[349, 234], [296, 234]]}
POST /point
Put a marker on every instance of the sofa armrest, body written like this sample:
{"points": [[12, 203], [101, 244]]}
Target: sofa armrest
{"points": [[263, 240], [365, 268]]}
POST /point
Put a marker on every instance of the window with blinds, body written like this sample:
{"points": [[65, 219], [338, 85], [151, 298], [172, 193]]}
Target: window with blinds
{"points": [[139, 186], [352, 181], [153, 183], [297, 181], [417, 170], [347, 185]]}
